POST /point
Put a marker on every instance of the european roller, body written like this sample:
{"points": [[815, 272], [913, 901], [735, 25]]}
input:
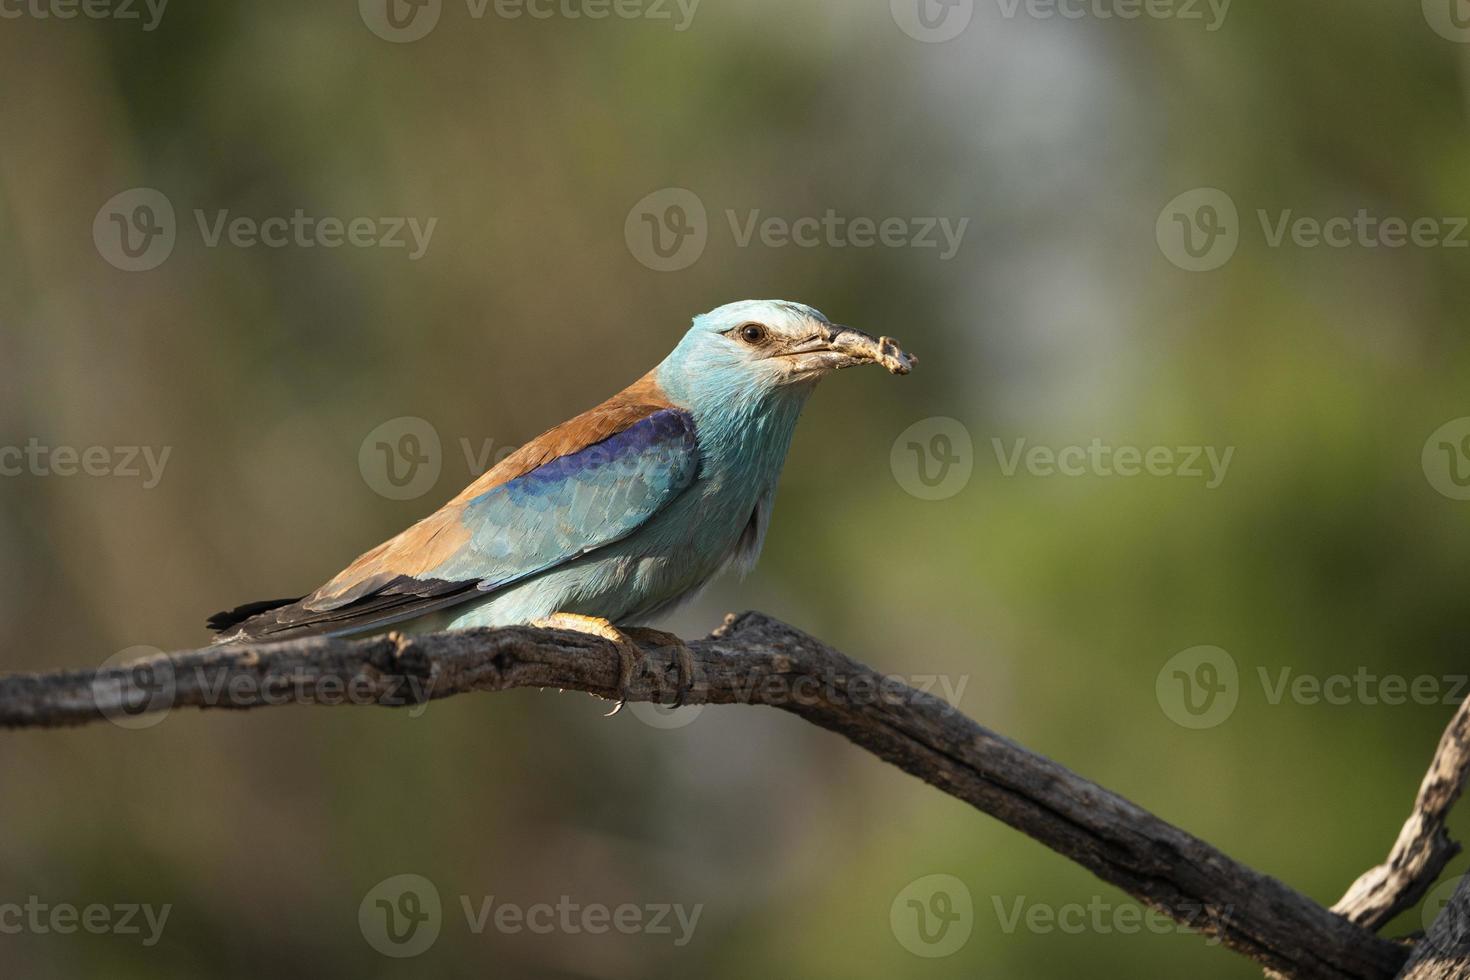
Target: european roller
{"points": [[613, 517]]}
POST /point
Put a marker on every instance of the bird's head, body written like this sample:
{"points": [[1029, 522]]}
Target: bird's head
{"points": [[764, 346]]}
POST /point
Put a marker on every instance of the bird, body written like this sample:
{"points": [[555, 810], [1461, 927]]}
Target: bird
{"points": [[612, 518]]}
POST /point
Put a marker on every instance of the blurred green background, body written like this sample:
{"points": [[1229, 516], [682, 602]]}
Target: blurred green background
{"points": [[1055, 600]]}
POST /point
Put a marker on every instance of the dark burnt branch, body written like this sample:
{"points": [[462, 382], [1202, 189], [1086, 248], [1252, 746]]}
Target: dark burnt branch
{"points": [[757, 660], [1444, 954]]}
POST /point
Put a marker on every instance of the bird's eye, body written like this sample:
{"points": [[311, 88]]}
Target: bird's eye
{"points": [[752, 333]]}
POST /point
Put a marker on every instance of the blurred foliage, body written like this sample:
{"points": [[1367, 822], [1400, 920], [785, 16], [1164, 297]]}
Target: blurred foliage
{"points": [[1055, 600]]}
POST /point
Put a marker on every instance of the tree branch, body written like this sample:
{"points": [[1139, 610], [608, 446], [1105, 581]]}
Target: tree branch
{"points": [[1444, 954], [1424, 846], [757, 660]]}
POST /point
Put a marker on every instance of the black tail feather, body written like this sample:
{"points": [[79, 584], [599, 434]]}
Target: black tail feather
{"points": [[222, 621]]}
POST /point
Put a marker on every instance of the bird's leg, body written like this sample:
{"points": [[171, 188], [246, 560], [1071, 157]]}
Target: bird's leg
{"points": [[628, 653], [683, 657]]}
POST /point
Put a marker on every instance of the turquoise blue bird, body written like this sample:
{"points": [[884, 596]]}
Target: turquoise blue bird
{"points": [[613, 517]]}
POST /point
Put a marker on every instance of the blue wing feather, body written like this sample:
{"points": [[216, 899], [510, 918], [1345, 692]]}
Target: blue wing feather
{"points": [[575, 503]]}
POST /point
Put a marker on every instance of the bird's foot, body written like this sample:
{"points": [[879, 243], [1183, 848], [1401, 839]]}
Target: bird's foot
{"points": [[683, 657], [629, 655]]}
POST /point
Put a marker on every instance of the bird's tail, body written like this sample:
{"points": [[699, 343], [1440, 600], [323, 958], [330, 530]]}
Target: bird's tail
{"points": [[230, 618]]}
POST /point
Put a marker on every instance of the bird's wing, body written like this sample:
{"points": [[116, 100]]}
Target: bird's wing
{"points": [[583, 485]]}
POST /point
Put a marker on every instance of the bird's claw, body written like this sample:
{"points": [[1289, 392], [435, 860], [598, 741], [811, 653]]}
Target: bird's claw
{"points": [[629, 645], [629, 654], [683, 658]]}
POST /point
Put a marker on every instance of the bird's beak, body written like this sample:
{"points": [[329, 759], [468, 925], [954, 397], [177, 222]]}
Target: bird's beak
{"points": [[836, 347]]}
